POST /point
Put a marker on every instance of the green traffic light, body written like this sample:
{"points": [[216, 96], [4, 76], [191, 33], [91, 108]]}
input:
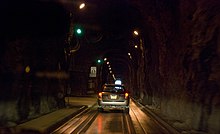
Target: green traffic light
{"points": [[78, 30], [99, 61]]}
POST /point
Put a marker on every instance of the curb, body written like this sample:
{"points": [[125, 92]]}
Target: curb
{"points": [[52, 127]]}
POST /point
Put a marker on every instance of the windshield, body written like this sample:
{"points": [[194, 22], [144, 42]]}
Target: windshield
{"points": [[113, 89]]}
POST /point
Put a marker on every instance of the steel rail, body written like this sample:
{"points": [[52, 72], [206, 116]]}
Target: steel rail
{"points": [[86, 123], [74, 122], [128, 125], [163, 124]]}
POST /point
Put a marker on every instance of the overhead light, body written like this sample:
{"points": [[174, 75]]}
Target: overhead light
{"points": [[136, 32], [81, 6]]}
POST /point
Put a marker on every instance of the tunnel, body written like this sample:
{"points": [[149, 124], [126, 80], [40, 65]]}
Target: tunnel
{"points": [[166, 52]]}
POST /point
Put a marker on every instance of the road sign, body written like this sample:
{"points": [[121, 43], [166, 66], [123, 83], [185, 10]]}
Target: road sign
{"points": [[92, 72]]}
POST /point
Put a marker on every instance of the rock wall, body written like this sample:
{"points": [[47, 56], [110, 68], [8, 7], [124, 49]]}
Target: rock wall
{"points": [[182, 62], [31, 45]]}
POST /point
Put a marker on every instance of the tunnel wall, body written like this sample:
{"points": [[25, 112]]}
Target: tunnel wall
{"points": [[32, 63], [182, 68]]}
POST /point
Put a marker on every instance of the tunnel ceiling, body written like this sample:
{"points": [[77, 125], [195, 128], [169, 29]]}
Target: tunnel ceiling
{"points": [[117, 20]]}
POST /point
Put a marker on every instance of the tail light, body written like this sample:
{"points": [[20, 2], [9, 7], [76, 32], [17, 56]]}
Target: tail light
{"points": [[126, 95], [100, 95]]}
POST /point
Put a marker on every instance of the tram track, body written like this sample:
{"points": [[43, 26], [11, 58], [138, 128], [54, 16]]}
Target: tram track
{"points": [[91, 121], [78, 123], [81, 122]]}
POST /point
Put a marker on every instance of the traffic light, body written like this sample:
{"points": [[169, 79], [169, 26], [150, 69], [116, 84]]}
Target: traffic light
{"points": [[99, 61], [78, 31]]}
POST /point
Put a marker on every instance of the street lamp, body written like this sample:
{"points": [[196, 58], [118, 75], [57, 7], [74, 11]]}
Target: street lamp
{"points": [[136, 32], [136, 46], [82, 5]]}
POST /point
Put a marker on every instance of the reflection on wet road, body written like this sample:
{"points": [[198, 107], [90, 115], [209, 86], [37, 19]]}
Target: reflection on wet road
{"points": [[113, 122], [107, 123]]}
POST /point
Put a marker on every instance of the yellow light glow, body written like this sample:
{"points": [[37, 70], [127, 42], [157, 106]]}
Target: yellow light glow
{"points": [[126, 94], [136, 46], [136, 32], [81, 6], [27, 69], [100, 94]]}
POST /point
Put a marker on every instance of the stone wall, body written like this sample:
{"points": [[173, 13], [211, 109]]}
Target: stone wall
{"points": [[31, 44], [182, 61]]}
